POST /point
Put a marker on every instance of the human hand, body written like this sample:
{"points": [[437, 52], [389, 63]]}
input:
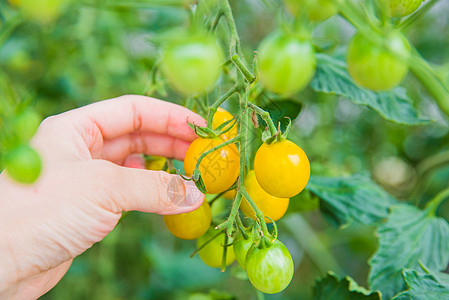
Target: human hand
{"points": [[84, 188]]}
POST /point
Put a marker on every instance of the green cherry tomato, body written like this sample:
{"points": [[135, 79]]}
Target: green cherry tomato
{"points": [[378, 67], [26, 124], [241, 247], [282, 169], [212, 253], [270, 269], [23, 164], [43, 11], [402, 8], [286, 63], [317, 10], [192, 64]]}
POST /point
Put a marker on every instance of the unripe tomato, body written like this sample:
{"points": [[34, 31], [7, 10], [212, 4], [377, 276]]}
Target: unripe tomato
{"points": [[219, 169], [402, 8], [241, 247], [282, 168], [222, 116], [377, 67], [192, 64], [271, 206], [212, 253], [26, 124], [270, 269], [191, 225], [14, 2], [286, 63], [317, 10], [43, 11], [23, 164]]}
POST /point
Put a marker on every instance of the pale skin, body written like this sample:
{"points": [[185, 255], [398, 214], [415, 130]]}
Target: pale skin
{"points": [[85, 186]]}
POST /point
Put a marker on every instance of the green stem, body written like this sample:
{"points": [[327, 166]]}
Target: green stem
{"points": [[225, 252], [433, 204], [265, 116], [426, 74], [224, 144], [417, 16], [258, 212], [242, 68], [216, 105]]}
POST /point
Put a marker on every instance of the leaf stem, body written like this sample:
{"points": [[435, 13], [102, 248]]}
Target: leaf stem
{"points": [[433, 204]]}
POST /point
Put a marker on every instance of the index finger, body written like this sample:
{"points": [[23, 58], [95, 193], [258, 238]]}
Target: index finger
{"points": [[131, 113]]}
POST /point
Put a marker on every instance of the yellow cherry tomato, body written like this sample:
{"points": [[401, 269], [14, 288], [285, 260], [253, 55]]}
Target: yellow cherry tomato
{"points": [[219, 169], [222, 116], [191, 225], [282, 168], [271, 206], [229, 195], [212, 253]]}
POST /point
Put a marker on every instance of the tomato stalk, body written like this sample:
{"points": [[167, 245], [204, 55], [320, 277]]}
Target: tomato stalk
{"points": [[433, 204], [214, 107]]}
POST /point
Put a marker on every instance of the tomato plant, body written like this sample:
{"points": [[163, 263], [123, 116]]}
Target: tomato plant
{"points": [[191, 225], [212, 253], [219, 169], [286, 63], [269, 268], [272, 206], [378, 67], [369, 110], [192, 64], [23, 164], [282, 168]]}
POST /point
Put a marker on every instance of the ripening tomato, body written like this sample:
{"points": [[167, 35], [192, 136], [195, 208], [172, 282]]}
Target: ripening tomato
{"points": [[282, 168], [192, 64], [241, 247], [286, 63], [26, 124], [219, 169], [271, 206], [23, 164], [317, 10], [270, 269], [155, 163], [212, 253], [191, 225], [377, 67], [402, 8], [222, 116]]}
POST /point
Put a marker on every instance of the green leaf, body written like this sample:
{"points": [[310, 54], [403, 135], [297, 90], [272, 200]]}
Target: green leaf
{"points": [[356, 197], [409, 236], [331, 287], [280, 109], [424, 286], [332, 78]]}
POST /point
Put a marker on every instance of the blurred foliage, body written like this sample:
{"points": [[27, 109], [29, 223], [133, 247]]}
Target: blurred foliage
{"points": [[99, 49]]}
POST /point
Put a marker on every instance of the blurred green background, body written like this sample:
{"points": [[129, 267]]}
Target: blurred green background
{"points": [[102, 49]]}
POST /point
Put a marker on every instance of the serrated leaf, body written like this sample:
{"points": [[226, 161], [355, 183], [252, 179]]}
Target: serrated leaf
{"points": [[355, 197], [424, 286], [332, 77], [409, 236], [331, 287]]}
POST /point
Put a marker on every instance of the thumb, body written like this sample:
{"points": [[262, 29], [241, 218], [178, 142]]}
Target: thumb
{"points": [[151, 191]]}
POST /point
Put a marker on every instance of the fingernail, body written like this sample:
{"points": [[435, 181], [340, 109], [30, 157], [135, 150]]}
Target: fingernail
{"points": [[193, 194]]}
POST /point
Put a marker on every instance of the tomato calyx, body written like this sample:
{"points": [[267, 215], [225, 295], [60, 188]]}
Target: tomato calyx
{"points": [[208, 133], [269, 138]]}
